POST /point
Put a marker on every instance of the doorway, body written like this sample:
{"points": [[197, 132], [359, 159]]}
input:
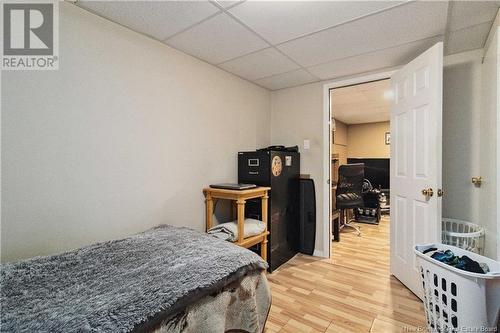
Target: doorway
{"points": [[328, 135], [360, 159], [416, 119], [359, 119]]}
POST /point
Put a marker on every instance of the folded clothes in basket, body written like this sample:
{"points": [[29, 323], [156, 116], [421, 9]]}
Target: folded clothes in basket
{"points": [[464, 263]]}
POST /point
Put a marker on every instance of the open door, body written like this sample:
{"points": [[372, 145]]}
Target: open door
{"points": [[416, 130]]}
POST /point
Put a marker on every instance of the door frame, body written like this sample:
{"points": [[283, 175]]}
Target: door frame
{"points": [[327, 130]]}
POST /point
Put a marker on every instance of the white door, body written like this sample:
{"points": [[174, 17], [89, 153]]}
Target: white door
{"points": [[416, 118]]}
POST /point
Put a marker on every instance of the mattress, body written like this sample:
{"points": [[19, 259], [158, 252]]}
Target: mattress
{"points": [[166, 279]]}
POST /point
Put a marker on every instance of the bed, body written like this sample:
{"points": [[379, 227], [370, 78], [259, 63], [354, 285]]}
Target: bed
{"points": [[167, 279]]}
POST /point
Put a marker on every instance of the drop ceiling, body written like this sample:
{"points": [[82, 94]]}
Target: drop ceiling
{"points": [[279, 44], [361, 103]]}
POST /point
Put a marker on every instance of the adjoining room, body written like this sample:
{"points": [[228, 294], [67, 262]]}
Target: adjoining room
{"points": [[360, 153]]}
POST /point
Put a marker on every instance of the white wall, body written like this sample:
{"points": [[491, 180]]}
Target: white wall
{"points": [[122, 137], [297, 114], [490, 143], [470, 140], [461, 131]]}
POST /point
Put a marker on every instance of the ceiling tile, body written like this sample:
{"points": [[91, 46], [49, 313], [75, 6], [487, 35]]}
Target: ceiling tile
{"points": [[391, 57], [362, 103], [468, 13], [467, 39], [279, 21], [403, 24], [217, 39], [362, 118], [286, 80], [260, 64], [158, 19]]}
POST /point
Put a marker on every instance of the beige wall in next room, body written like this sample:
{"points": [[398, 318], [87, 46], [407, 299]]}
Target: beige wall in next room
{"points": [[368, 140], [339, 145]]}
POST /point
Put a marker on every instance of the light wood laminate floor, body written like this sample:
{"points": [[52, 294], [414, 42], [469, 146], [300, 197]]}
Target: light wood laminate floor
{"points": [[351, 292]]}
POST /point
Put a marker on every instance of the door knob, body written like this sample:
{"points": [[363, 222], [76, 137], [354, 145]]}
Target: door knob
{"points": [[477, 181], [440, 192], [428, 192]]}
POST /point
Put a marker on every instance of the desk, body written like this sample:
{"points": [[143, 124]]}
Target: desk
{"points": [[240, 197]]}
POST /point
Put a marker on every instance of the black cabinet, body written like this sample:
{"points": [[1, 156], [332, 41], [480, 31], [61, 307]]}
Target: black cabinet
{"points": [[280, 171]]}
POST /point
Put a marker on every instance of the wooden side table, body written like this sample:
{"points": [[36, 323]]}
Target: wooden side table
{"points": [[240, 197]]}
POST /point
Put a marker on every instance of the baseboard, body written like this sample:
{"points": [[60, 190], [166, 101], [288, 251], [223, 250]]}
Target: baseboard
{"points": [[318, 253]]}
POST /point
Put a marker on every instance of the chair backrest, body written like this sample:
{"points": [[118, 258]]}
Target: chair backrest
{"points": [[351, 178]]}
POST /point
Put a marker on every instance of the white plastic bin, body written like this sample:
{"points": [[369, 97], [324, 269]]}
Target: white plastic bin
{"points": [[463, 234], [456, 300]]}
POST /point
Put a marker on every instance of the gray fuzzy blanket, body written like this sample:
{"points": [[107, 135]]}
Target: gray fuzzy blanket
{"points": [[119, 286]]}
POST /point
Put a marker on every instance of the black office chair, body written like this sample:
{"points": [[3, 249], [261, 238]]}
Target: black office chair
{"points": [[349, 191]]}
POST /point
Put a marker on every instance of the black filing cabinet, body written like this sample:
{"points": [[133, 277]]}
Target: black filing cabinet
{"points": [[278, 169]]}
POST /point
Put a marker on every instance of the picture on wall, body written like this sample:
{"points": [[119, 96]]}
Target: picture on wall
{"points": [[387, 138]]}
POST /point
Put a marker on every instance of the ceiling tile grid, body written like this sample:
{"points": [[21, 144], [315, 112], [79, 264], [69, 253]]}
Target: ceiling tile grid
{"points": [[217, 39], [469, 38], [280, 21], [278, 44], [228, 3], [158, 19], [363, 63], [260, 64], [468, 13], [398, 25], [286, 80]]}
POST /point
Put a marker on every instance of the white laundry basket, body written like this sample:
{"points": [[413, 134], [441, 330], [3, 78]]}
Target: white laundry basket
{"points": [[465, 235], [456, 300]]}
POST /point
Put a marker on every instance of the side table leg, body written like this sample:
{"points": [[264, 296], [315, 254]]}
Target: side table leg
{"points": [[209, 210], [263, 249], [263, 245], [241, 220]]}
